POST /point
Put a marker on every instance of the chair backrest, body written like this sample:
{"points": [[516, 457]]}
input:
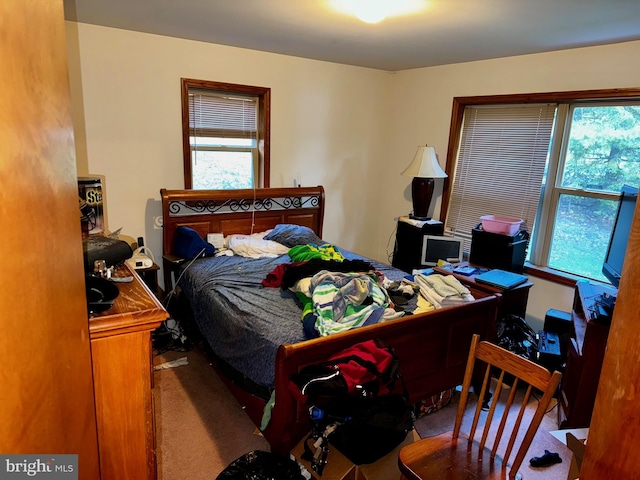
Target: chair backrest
{"points": [[513, 371]]}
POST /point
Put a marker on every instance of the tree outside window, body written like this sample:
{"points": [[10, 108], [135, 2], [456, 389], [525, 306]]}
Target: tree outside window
{"points": [[592, 151], [602, 154]]}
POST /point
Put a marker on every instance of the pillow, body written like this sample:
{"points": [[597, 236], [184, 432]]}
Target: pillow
{"points": [[188, 243], [253, 246], [292, 235]]}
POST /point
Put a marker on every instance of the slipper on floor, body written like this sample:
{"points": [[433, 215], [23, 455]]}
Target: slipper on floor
{"points": [[546, 460]]}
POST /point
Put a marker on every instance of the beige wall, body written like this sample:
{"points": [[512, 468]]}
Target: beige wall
{"points": [[350, 129], [421, 102], [327, 124]]}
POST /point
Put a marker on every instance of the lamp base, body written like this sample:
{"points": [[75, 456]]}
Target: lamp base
{"points": [[416, 217], [421, 192]]}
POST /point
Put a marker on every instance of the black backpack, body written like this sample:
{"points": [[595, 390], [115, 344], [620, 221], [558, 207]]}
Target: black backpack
{"points": [[354, 405], [364, 369]]}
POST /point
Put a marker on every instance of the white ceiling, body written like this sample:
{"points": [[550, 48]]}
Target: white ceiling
{"points": [[447, 31]]}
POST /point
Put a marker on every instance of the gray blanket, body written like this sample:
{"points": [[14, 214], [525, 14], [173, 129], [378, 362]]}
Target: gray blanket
{"points": [[243, 321]]}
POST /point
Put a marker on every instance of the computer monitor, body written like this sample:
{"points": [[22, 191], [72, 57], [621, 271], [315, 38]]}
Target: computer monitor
{"points": [[614, 258], [436, 247]]}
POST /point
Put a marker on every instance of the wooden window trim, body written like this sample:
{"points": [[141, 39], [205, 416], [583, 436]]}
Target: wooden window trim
{"points": [[455, 130], [264, 125]]}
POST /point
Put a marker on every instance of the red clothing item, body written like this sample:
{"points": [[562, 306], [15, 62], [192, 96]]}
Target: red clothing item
{"points": [[274, 278]]}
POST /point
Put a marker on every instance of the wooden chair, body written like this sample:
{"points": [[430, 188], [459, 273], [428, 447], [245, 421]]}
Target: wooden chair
{"points": [[455, 455]]}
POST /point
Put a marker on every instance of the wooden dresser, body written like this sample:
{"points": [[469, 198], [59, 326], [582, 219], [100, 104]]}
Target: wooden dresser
{"points": [[585, 354], [122, 375]]}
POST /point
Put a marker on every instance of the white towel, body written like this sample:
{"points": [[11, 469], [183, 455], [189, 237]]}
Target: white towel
{"points": [[443, 290]]}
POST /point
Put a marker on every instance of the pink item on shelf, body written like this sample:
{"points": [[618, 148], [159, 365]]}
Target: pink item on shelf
{"points": [[503, 225]]}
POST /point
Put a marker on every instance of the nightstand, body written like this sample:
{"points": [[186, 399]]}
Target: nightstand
{"points": [[409, 237], [150, 277], [512, 301]]}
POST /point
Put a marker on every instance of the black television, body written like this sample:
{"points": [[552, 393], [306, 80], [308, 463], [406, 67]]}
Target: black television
{"points": [[614, 258]]}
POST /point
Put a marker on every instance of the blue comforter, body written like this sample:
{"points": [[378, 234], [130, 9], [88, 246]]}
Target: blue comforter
{"points": [[243, 321]]}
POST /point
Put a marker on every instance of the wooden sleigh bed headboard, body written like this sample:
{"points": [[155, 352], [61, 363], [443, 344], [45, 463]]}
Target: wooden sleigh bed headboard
{"points": [[242, 211]]}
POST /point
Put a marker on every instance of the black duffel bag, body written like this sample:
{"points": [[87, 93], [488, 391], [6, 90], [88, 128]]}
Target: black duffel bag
{"points": [[363, 429], [376, 426], [354, 404]]}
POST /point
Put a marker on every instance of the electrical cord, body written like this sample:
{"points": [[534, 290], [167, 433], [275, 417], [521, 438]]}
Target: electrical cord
{"points": [[177, 340], [533, 394], [167, 299], [554, 406], [166, 338], [390, 255], [253, 209]]}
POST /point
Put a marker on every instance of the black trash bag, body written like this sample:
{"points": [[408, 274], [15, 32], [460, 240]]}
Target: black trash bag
{"points": [[515, 334], [260, 465]]}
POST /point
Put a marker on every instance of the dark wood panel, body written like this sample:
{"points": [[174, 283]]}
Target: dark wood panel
{"points": [[585, 354], [611, 450]]}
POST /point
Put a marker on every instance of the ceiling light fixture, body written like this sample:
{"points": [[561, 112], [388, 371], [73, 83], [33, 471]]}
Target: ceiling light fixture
{"points": [[371, 11], [374, 11]]}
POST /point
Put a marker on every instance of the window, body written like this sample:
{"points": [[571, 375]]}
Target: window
{"points": [[558, 161], [226, 137], [599, 153], [501, 162]]}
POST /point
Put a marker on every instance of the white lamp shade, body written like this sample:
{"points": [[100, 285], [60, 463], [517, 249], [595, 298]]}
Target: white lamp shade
{"points": [[425, 165]]}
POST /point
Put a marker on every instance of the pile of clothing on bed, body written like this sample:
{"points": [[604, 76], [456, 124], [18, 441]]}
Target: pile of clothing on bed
{"points": [[337, 294]]}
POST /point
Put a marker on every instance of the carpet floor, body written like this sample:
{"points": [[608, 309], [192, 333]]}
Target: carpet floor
{"points": [[201, 428]]}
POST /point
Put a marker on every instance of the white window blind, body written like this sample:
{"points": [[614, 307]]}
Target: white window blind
{"points": [[500, 164], [219, 115]]}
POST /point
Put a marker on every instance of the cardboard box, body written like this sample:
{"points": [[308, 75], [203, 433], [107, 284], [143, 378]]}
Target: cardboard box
{"points": [[576, 440], [339, 467], [577, 446]]}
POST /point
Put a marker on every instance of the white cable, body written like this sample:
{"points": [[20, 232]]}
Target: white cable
{"points": [[173, 290], [253, 208]]}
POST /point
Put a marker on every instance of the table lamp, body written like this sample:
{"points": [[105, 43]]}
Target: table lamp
{"points": [[424, 168]]}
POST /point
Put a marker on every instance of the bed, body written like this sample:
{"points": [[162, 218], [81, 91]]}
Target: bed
{"points": [[432, 347]]}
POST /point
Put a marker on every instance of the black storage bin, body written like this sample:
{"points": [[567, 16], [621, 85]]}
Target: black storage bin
{"points": [[408, 249], [557, 321], [493, 250]]}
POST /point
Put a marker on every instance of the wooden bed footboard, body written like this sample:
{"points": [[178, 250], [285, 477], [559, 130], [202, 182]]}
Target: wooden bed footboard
{"points": [[432, 349]]}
